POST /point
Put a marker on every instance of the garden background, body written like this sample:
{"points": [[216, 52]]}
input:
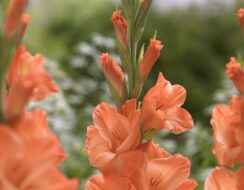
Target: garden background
{"points": [[199, 39]]}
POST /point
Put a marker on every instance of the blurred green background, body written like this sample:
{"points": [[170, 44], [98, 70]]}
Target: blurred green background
{"points": [[198, 39]]}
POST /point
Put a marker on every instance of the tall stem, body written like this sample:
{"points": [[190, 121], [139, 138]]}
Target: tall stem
{"points": [[133, 57]]}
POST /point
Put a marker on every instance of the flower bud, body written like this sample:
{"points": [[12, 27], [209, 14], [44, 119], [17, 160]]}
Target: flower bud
{"points": [[235, 72], [113, 73], [240, 16], [14, 17], [150, 58], [25, 22], [121, 28]]}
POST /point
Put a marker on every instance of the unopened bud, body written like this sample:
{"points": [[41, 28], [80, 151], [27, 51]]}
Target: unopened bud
{"points": [[235, 72], [14, 17], [113, 73], [120, 26], [240, 16], [150, 58]]}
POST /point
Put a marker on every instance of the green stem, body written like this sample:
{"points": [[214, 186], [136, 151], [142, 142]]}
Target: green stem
{"points": [[2, 87], [133, 58]]}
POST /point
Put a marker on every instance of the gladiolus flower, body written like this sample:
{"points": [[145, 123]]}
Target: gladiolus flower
{"points": [[222, 179], [113, 73], [228, 135], [150, 58], [27, 81], [163, 171], [30, 154], [161, 108], [235, 72], [240, 16], [14, 16], [111, 144], [120, 26], [110, 182]]}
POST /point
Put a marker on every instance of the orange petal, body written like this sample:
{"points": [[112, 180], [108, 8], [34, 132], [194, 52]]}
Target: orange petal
{"points": [[168, 173], [98, 149], [129, 162], [110, 182], [227, 149], [187, 185], [154, 150], [178, 120], [221, 179]]}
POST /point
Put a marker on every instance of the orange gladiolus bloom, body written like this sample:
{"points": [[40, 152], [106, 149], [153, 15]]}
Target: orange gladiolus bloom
{"points": [[163, 171], [222, 179], [110, 182], [27, 81], [228, 133], [150, 58], [14, 16], [30, 154], [235, 72], [161, 108], [111, 144], [113, 73], [240, 16], [120, 26]]}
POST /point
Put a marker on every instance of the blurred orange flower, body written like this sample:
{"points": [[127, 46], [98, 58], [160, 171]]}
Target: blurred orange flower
{"points": [[240, 16], [14, 21], [30, 154], [27, 81]]}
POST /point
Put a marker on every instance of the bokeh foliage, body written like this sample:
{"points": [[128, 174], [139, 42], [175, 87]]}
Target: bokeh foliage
{"points": [[198, 43]]}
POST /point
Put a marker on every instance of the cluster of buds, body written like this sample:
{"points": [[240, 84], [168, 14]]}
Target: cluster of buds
{"points": [[30, 154], [228, 126], [120, 143]]}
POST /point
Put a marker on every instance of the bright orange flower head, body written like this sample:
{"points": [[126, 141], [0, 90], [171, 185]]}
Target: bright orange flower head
{"points": [[235, 72], [240, 16], [30, 154], [163, 171], [109, 182], [222, 179], [161, 108], [150, 58], [14, 17], [111, 144], [120, 26], [27, 81], [228, 134], [113, 73]]}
